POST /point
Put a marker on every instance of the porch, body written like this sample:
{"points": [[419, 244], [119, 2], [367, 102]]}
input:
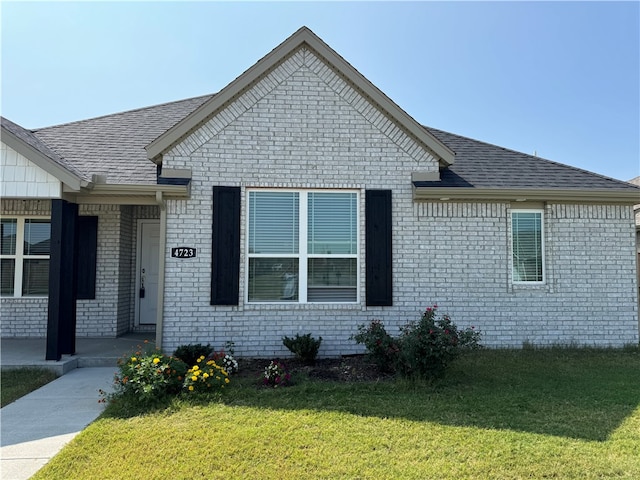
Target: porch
{"points": [[90, 352]]}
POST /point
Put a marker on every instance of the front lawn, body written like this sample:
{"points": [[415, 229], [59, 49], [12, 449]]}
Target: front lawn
{"points": [[18, 382], [498, 414]]}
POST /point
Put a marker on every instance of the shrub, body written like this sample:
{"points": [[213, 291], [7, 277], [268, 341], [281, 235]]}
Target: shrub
{"points": [[428, 346], [190, 354], [205, 376], [381, 347], [304, 347], [276, 375], [147, 378], [424, 348]]}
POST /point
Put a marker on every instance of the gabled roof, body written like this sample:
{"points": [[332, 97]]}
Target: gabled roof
{"points": [[120, 145], [113, 145], [303, 37], [31, 147], [483, 170]]}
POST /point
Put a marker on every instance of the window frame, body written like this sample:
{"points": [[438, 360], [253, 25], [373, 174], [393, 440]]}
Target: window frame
{"points": [[19, 255], [303, 256], [543, 281]]}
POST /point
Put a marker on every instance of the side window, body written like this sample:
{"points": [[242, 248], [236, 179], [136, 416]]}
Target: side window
{"points": [[527, 246], [24, 256]]}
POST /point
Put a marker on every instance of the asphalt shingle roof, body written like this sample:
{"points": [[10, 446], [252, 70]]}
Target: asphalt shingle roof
{"points": [[113, 145], [482, 165], [32, 140]]}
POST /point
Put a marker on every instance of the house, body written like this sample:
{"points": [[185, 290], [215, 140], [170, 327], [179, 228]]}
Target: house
{"points": [[300, 198]]}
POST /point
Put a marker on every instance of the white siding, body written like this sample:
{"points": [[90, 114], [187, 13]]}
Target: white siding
{"points": [[21, 178]]}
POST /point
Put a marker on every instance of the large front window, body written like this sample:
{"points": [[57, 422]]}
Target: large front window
{"points": [[527, 242], [24, 256], [302, 246]]}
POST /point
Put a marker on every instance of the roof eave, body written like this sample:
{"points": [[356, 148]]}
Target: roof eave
{"points": [[291, 44], [68, 178], [133, 194], [606, 196]]}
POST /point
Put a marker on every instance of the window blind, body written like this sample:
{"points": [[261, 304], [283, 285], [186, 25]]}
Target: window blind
{"points": [[273, 222], [526, 230]]}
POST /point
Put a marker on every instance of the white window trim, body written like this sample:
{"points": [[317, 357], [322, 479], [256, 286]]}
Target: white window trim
{"points": [[542, 247], [302, 254], [19, 257]]}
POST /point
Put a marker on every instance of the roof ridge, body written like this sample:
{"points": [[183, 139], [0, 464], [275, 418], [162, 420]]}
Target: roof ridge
{"points": [[123, 112], [530, 156]]}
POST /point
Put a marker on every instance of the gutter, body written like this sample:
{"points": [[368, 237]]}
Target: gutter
{"points": [[607, 196], [128, 194]]}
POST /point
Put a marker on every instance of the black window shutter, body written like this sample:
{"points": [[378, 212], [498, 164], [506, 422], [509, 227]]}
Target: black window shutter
{"points": [[378, 247], [86, 257], [225, 261]]}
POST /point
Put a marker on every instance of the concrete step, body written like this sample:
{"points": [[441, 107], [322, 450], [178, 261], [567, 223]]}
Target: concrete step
{"points": [[106, 361]]}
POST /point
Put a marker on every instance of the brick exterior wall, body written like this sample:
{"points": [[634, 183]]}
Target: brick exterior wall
{"points": [[303, 126], [111, 313]]}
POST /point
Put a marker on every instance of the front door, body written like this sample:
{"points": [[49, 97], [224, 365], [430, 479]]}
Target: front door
{"points": [[147, 274]]}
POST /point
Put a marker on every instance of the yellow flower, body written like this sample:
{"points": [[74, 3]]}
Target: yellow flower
{"points": [[206, 375], [226, 380], [191, 388], [195, 367], [156, 360], [194, 378], [133, 359]]}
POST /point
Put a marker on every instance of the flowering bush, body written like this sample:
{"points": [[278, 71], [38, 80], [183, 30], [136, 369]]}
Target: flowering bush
{"points": [[424, 348], [148, 377], [190, 353], [205, 376], [428, 346], [276, 375], [226, 361], [381, 347]]}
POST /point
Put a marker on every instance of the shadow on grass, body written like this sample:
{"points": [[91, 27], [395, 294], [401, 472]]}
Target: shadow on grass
{"points": [[574, 393]]}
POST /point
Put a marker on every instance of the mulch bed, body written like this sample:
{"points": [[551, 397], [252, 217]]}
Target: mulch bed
{"points": [[351, 368]]}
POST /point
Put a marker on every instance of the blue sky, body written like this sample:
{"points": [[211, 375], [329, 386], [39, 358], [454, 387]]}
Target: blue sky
{"points": [[560, 79]]}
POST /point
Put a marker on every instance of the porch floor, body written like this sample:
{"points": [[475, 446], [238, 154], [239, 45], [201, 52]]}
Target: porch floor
{"points": [[90, 352]]}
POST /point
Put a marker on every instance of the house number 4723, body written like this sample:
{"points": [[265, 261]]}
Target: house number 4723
{"points": [[183, 252]]}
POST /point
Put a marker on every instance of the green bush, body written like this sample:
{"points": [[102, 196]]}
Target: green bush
{"points": [[304, 347], [190, 354], [424, 348]]}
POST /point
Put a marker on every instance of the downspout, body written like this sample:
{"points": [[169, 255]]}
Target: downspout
{"points": [[161, 265]]}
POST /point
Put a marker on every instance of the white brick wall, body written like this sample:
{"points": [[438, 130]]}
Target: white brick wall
{"points": [[302, 126]]}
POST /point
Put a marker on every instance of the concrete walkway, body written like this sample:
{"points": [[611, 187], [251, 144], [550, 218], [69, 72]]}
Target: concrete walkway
{"points": [[36, 427]]}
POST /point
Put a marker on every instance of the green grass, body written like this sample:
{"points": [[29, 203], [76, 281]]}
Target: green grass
{"points": [[565, 414], [16, 383]]}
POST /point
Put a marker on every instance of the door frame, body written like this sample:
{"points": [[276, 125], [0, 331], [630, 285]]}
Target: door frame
{"points": [[140, 223]]}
